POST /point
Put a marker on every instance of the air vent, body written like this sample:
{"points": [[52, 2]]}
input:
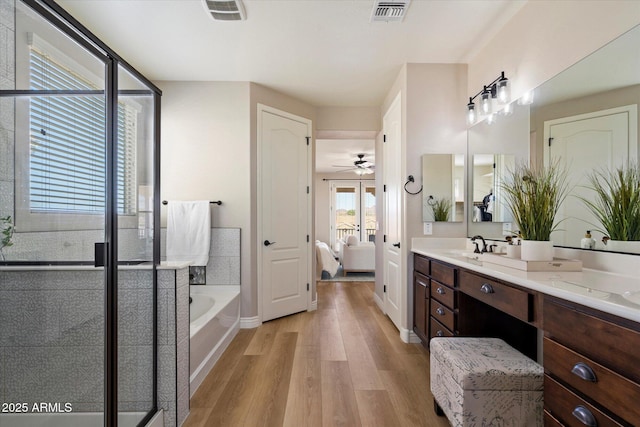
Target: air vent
{"points": [[389, 10], [225, 10]]}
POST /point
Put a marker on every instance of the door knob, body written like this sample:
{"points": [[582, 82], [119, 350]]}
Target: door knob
{"points": [[268, 243], [397, 245]]}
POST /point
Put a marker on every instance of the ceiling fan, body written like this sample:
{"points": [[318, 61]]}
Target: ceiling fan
{"points": [[360, 166]]}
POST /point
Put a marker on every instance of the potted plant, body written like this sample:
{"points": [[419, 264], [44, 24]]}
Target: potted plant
{"points": [[533, 195], [616, 206], [6, 233], [441, 209]]}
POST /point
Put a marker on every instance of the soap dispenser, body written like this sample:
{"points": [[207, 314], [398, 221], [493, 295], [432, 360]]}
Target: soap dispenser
{"points": [[588, 242]]}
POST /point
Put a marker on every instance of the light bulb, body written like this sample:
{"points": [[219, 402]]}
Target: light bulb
{"points": [[485, 102], [507, 110], [471, 113], [504, 92], [491, 119]]}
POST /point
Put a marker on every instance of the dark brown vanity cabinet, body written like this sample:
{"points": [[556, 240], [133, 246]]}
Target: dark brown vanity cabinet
{"points": [[591, 362], [421, 284], [434, 307]]}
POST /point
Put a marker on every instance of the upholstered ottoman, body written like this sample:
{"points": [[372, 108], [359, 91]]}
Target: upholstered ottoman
{"points": [[481, 382]]}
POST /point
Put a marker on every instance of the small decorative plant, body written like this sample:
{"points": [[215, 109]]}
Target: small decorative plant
{"points": [[616, 204], [6, 233], [441, 209], [533, 195]]}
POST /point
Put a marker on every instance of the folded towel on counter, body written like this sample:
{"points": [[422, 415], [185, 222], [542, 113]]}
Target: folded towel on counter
{"points": [[189, 231]]}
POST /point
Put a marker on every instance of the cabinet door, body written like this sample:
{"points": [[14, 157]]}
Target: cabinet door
{"points": [[420, 306]]}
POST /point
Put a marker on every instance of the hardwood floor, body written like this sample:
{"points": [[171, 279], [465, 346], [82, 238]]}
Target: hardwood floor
{"points": [[342, 365]]}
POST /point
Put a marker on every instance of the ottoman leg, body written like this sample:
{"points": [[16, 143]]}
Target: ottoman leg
{"points": [[437, 409]]}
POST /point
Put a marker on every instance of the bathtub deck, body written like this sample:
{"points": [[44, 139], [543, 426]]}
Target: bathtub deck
{"points": [[343, 364]]}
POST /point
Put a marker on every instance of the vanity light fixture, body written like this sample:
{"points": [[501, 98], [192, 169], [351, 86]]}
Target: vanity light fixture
{"points": [[497, 92]]}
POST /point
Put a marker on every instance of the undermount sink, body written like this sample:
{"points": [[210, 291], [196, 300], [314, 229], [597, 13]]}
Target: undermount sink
{"points": [[581, 290]]}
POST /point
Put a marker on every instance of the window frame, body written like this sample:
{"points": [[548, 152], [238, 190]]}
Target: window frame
{"points": [[25, 219]]}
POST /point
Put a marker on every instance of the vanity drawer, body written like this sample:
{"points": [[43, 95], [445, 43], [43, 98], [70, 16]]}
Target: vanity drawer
{"points": [[561, 404], [422, 265], [550, 421], [610, 344], [443, 273], [443, 294], [437, 329], [602, 385], [509, 300], [442, 314]]}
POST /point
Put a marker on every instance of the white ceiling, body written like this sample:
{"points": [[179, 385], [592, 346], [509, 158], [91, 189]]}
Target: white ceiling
{"points": [[323, 52]]}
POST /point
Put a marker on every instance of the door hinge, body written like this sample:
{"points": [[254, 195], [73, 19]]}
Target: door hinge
{"points": [[384, 188], [307, 189], [307, 287], [307, 238], [550, 141], [384, 289], [384, 138], [384, 238], [308, 139]]}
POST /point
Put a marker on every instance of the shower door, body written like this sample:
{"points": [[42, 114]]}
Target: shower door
{"points": [[78, 238]]}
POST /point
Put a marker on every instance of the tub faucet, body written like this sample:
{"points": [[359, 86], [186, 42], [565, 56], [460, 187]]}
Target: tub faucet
{"points": [[484, 244]]}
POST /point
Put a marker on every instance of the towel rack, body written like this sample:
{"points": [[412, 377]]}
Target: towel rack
{"points": [[215, 202]]}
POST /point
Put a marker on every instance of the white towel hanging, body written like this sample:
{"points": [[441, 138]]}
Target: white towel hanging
{"points": [[189, 231]]}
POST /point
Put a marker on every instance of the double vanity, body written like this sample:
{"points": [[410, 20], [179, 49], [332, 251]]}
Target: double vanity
{"points": [[583, 327]]}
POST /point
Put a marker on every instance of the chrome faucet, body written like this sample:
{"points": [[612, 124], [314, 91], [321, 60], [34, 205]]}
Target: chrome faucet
{"points": [[484, 244]]}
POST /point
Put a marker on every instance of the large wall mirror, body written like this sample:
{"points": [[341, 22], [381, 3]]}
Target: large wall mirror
{"points": [[585, 118], [443, 187]]}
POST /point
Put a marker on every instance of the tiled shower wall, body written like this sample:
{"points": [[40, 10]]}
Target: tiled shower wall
{"points": [[51, 340]]}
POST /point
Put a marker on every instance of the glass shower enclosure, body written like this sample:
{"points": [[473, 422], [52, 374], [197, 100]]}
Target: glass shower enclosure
{"points": [[79, 236]]}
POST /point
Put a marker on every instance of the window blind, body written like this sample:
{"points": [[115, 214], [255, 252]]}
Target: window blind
{"points": [[67, 144]]}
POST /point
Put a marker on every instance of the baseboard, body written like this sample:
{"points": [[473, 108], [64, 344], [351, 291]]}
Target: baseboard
{"points": [[379, 302], [249, 322], [314, 304], [408, 336]]}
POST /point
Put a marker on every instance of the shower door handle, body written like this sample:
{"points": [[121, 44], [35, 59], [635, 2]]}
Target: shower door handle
{"points": [[99, 254]]}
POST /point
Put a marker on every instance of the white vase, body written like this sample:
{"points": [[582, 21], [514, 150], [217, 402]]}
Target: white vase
{"points": [[537, 250], [631, 246]]}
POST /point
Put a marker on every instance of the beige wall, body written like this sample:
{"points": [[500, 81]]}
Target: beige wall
{"points": [[348, 118], [205, 147], [547, 36]]}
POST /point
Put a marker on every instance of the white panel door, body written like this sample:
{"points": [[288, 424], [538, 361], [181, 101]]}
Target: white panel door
{"points": [[392, 275], [593, 142], [284, 214]]}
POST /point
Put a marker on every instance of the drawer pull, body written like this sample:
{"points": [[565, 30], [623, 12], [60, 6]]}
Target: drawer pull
{"points": [[585, 416], [440, 311], [486, 288], [440, 333], [584, 371], [440, 290]]}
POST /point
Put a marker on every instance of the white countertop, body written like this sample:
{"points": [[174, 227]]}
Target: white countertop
{"points": [[612, 293]]}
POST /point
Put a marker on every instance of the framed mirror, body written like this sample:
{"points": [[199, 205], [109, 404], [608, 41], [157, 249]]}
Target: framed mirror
{"points": [[443, 184]]}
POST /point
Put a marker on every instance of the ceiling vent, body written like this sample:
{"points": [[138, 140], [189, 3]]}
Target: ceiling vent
{"points": [[225, 10], [389, 10]]}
